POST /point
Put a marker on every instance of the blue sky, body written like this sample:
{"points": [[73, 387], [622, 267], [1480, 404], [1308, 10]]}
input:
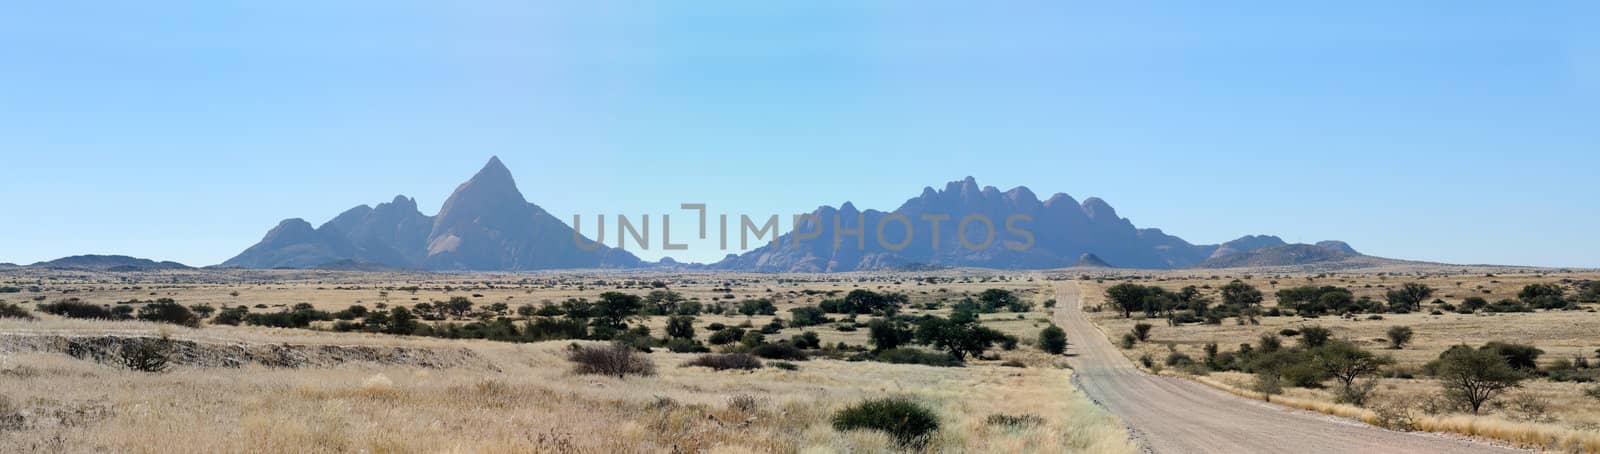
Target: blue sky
{"points": [[1450, 131]]}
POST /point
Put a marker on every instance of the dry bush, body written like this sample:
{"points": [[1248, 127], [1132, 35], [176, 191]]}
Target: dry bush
{"points": [[726, 361], [616, 359]]}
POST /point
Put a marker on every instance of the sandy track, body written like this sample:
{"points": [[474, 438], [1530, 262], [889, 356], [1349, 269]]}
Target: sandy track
{"points": [[1174, 415]]}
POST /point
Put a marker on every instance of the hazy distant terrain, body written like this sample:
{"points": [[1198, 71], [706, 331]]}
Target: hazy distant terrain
{"points": [[487, 225]]}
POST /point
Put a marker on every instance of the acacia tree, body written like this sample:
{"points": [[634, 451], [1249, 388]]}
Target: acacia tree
{"points": [[1347, 363], [1127, 297], [1240, 294], [1474, 376], [1408, 297]]}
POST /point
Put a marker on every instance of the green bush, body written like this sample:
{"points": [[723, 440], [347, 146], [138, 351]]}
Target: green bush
{"points": [[726, 361], [10, 310], [916, 356], [781, 350], [166, 310], [726, 336], [681, 345], [75, 308], [905, 420], [1053, 340]]}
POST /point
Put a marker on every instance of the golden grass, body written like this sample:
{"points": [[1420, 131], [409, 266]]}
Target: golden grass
{"points": [[533, 404]]}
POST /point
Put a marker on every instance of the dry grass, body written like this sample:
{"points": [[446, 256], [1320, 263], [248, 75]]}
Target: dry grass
{"points": [[532, 403]]}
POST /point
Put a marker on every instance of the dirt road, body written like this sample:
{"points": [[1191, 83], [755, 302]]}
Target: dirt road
{"points": [[1174, 415]]}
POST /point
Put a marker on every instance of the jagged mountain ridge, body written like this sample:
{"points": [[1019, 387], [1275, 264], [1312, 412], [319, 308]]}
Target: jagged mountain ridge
{"points": [[485, 225], [1064, 232]]}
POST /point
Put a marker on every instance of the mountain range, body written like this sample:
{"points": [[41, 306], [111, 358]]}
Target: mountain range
{"points": [[487, 225], [1064, 233]]}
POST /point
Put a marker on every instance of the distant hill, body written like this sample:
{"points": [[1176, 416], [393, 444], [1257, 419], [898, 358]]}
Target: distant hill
{"points": [[113, 263], [1064, 233], [1089, 260], [485, 225], [1284, 255]]}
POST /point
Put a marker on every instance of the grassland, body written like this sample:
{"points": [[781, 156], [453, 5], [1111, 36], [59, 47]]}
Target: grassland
{"points": [[515, 397]]}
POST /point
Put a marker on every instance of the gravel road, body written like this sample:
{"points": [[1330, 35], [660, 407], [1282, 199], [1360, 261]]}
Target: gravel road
{"points": [[1175, 415]]}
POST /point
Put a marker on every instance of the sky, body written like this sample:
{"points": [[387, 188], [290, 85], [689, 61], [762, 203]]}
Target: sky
{"points": [[1451, 131]]}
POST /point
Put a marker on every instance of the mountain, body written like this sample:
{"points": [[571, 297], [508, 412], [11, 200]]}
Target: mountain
{"points": [[1282, 255], [1244, 244], [115, 263], [1063, 232], [485, 225], [1089, 260], [1338, 246]]}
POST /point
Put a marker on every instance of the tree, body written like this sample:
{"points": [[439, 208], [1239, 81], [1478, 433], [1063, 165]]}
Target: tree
{"points": [[680, 327], [807, 316], [959, 337], [1518, 356], [993, 299], [1399, 336], [663, 302], [165, 310], [1314, 336], [1474, 376], [401, 321], [458, 306], [1127, 297], [1053, 340], [887, 335], [1346, 362], [760, 306], [1408, 297], [1240, 294], [615, 308]]}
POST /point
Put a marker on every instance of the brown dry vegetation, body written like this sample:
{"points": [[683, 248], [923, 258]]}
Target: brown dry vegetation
{"points": [[507, 397]]}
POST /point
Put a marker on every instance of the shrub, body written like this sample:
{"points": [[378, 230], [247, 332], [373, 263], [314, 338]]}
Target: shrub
{"points": [[916, 356], [1399, 336], [726, 336], [905, 420], [1141, 331], [680, 327], [781, 350], [808, 316], [1593, 392], [617, 360], [11, 310], [726, 361], [231, 315], [74, 308], [145, 355], [1128, 341], [1053, 340], [1314, 336], [681, 345], [1014, 363], [785, 365], [807, 340], [166, 310], [1023, 421]]}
